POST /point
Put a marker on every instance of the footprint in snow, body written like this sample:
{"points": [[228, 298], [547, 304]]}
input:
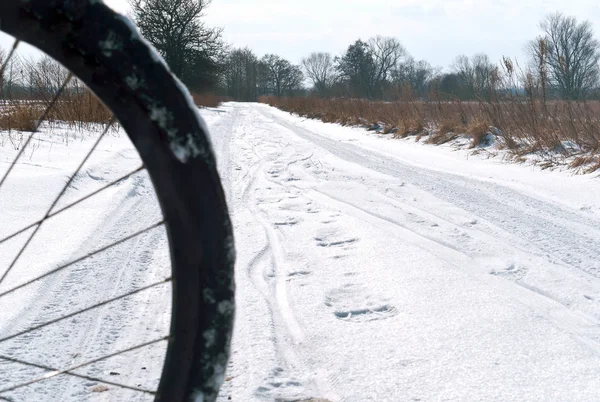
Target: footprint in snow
{"points": [[291, 206], [274, 171], [351, 303], [280, 387], [366, 314], [332, 242], [298, 274], [511, 271], [288, 222]]}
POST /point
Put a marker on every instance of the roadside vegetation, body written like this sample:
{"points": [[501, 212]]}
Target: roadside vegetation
{"points": [[28, 85], [546, 110], [556, 133], [28, 89]]}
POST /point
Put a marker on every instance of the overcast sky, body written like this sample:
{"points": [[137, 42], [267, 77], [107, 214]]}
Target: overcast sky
{"points": [[434, 30]]}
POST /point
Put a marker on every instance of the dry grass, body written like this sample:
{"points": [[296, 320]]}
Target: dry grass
{"points": [[80, 110], [19, 117], [450, 126], [478, 128], [208, 100], [585, 163], [412, 125], [75, 110], [439, 138], [580, 161], [526, 125]]}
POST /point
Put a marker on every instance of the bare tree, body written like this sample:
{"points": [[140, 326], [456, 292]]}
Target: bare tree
{"points": [[463, 69], [45, 77], [477, 76], [11, 78], [264, 81], [387, 53], [294, 82], [175, 28], [285, 78], [485, 75], [415, 74], [320, 71], [452, 85], [571, 54], [241, 75]]}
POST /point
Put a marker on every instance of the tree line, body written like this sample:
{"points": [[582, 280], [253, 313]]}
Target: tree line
{"points": [[564, 63]]}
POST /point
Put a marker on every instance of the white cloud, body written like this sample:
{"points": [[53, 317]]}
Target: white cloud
{"points": [[435, 30]]}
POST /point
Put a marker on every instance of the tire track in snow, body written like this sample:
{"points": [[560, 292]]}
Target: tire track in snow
{"points": [[583, 327], [267, 272], [523, 222], [570, 321], [492, 202], [122, 269], [337, 350]]}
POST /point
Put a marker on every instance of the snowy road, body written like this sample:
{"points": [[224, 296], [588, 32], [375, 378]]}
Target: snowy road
{"points": [[384, 270], [369, 269]]}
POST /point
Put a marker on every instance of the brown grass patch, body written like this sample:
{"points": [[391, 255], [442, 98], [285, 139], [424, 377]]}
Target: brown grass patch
{"points": [[450, 126], [580, 161], [388, 129], [208, 100], [81, 110], [478, 129], [526, 125], [409, 126], [19, 117], [439, 138]]}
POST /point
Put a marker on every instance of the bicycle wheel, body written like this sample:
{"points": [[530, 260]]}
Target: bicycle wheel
{"points": [[104, 51]]}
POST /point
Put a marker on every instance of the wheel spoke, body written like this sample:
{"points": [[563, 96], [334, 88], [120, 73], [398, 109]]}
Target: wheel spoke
{"points": [[37, 126], [85, 377], [53, 214], [73, 296], [93, 253], [84, 310], [38, 224], [78, 366], [62, 192]]}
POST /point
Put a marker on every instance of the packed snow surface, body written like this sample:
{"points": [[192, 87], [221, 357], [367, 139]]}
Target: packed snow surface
{"points": [[369, 269], [374, 269]]}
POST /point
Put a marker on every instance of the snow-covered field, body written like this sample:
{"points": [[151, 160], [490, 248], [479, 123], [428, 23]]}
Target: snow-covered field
{"points": [[369, 269]]}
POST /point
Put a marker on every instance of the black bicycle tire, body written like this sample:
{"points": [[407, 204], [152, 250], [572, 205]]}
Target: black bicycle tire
{"points": [[103, 50]]}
